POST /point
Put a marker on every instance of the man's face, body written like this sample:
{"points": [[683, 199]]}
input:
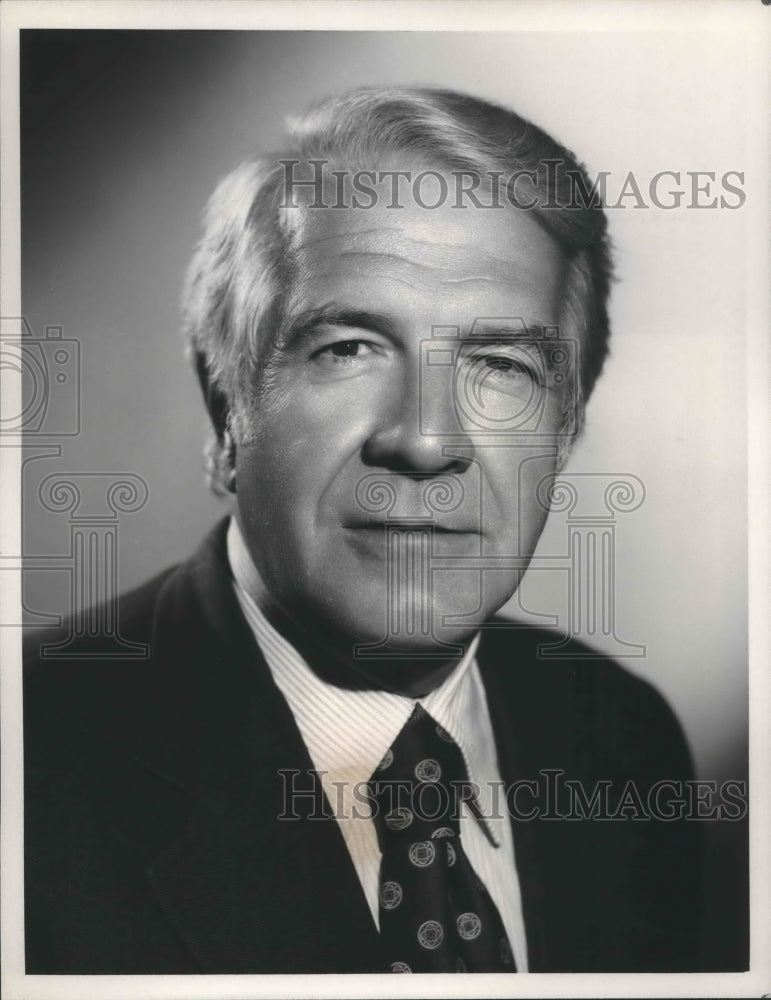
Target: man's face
{"points": [[385, 490]]}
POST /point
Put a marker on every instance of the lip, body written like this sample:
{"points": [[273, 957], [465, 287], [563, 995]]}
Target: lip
{"points": [[370, 538], [405, 525]]}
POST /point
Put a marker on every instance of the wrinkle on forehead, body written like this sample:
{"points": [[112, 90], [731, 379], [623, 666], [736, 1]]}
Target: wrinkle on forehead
{"points": [[465, 273], [442, 270], [424, 250], [448, 225], [468, 260], [461, 232]]}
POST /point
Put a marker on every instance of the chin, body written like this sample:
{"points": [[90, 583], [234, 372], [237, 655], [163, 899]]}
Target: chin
{"points": [[422, 624], [451, 643]]}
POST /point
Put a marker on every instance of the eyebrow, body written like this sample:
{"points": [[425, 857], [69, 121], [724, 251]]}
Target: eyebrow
{"points": [[495, 329], [303, 326]]}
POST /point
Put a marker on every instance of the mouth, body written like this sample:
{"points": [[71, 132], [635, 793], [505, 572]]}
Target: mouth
{"points": [[374, 540], [379, 527]]}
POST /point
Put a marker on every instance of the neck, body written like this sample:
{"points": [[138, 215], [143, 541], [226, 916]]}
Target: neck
{"points": [[330, 654]]}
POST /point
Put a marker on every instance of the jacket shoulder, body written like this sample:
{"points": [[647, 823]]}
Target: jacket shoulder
{"points": [[78, 676], [79, 635], [607, 710]]}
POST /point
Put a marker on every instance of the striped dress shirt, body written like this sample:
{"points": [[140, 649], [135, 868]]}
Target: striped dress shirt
{"points": [[348, 732]]}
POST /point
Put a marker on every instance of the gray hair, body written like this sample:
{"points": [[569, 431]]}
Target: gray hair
{"points": [[240, 275]]}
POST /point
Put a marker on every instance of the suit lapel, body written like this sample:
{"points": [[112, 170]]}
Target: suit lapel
{"points": [[530, 727], [246, 890]]}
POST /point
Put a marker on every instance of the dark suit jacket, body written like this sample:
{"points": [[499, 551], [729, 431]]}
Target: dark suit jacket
{"points": [[152, 796]]}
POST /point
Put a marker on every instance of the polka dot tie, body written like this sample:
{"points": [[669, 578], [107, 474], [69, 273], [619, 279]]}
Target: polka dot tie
{"points": [[435, 913]]}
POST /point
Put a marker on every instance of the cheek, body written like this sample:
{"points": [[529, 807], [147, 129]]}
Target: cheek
{"points": [[536, 476], [294, 452], [276, 507], [515, 506], [312, 419]]}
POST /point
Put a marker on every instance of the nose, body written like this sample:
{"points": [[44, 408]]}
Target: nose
{"points": [[417, 432]]}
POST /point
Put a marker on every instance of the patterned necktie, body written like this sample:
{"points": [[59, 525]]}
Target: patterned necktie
{"points": [[435, 913]]}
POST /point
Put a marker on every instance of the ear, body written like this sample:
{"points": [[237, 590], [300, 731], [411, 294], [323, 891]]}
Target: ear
{"points": [[216, 403], [220, 453]]}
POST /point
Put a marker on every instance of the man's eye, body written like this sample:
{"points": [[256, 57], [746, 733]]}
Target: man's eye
{"points": [[506, 365], [343, 352], [503, 368], [346, 348]]}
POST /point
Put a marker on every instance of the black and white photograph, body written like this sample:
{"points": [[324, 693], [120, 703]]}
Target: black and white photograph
{"points": [[384, 564]]}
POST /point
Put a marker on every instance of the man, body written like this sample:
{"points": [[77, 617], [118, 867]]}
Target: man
{"points": [[396, 323]]}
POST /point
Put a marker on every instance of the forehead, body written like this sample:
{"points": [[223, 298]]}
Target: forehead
{"points": [[448, 264]]}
